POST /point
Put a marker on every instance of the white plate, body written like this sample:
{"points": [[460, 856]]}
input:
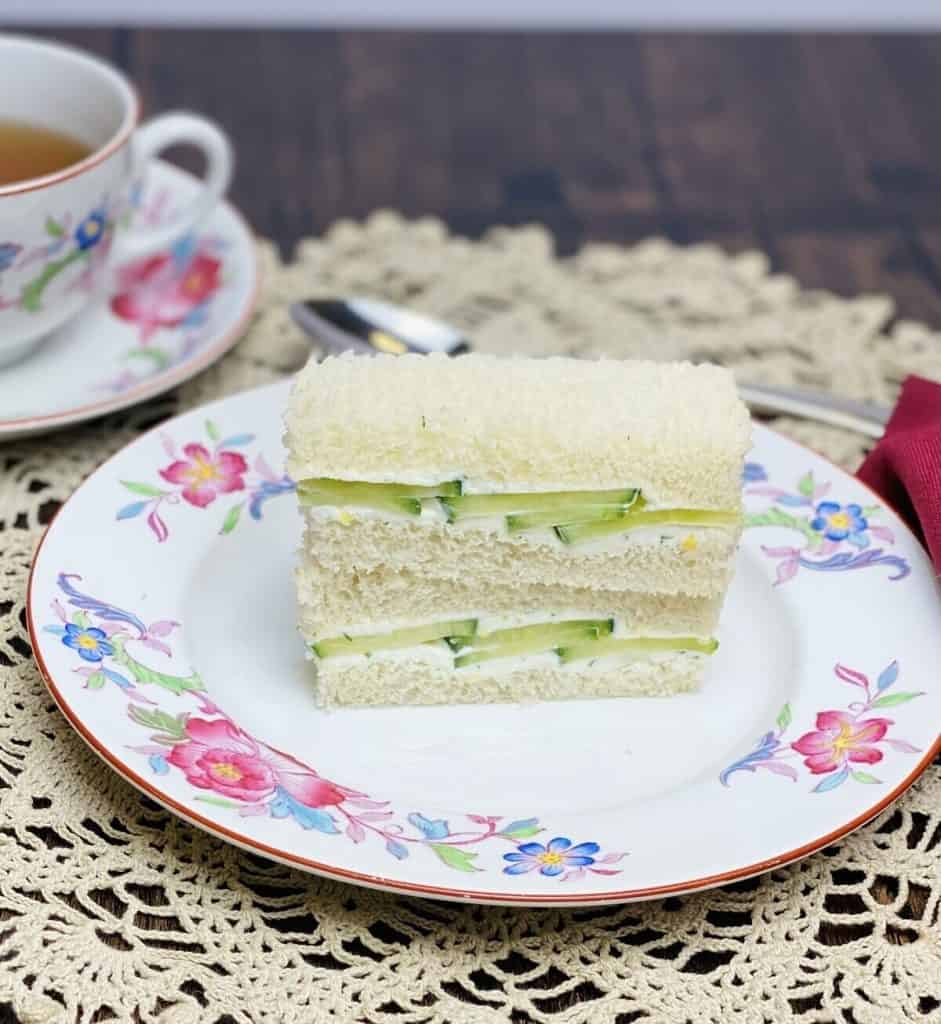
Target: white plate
{"points": [[173, 314], [192, 680]]}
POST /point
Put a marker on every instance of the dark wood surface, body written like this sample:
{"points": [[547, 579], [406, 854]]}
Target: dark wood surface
{"points": [[823, 150]]}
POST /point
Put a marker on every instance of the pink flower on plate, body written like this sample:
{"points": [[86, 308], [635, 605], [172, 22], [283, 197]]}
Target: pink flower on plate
{"points": [[206, 475], [304, 784], [838, 738], [220, 757]]}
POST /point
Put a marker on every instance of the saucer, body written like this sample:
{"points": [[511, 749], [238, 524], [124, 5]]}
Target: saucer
{"points": [[171, 315]]}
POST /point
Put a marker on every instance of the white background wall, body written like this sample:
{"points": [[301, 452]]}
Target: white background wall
{"points": [[837, 14]]}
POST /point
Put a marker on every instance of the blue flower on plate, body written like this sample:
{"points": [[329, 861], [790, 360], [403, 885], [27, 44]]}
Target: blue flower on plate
{"points": [[90, 642], [552, 859], [91, 230], [8, 253], [841, 522], [754, 473]]}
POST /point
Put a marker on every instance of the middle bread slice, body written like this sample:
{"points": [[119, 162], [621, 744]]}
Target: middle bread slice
{"points": [[344, 599], [695, 561]]}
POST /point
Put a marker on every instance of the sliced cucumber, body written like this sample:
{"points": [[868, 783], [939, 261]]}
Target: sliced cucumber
{"points": [[467, 506], [411, 637], [520, 522], [608, 646], [530, 645], [378, 502], [404, 499], [342, 489], [549, 634], [573, 532]]}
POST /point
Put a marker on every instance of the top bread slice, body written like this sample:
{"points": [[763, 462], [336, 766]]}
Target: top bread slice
{"points": [[676, 430]]}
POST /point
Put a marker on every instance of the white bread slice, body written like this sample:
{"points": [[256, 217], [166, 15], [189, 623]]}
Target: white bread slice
{"points": [[442, 552], [421, 680], [677, 431], [356, 602]]}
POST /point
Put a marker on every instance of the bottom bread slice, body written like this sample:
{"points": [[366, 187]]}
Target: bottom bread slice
{"points": [[415, 680], [398, 637]]}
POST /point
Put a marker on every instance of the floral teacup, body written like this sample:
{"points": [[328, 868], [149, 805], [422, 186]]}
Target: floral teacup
{"points": [[57, 232]]}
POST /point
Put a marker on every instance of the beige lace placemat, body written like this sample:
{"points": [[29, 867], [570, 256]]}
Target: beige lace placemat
{"points": [[112, 909]]}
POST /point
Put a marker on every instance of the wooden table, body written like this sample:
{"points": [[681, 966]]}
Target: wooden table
{"points": [[824, 151]]}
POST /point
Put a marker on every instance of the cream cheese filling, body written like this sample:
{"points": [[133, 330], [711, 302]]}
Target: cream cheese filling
{"points": [[686, 538], [439, 655]]}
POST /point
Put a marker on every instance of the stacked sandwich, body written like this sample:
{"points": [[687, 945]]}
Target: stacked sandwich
{"points": [[485, 529]]}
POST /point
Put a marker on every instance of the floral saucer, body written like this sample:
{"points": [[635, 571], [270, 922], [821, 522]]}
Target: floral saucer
{"points": [[161, 613], [172, 314]]}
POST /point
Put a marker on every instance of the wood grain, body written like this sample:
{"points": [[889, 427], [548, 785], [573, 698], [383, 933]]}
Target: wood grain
{"points": [[823, 150]]}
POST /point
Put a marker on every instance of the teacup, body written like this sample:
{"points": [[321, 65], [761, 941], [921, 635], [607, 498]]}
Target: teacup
{"points": [[59, 235]]}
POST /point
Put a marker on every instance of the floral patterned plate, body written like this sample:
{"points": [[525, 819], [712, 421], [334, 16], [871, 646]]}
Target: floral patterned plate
{"points": [[161, 613], [171, 315]]}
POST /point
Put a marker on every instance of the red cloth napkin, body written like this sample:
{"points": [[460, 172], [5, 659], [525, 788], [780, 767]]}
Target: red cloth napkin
{"points": [[905, 465]]}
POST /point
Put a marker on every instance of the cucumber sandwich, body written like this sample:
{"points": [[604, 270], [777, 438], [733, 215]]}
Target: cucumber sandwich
{"points": [[486, 529]]}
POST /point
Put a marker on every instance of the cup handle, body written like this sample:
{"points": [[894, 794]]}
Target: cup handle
{"points": [[175, 129]]}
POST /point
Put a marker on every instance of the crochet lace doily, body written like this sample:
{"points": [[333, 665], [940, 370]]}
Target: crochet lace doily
{"points": [[112, 909]]}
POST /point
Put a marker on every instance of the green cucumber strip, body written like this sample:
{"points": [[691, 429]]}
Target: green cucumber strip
{"points": [[549, 634], [541, 518], [343, 489], [528, 646], [607, 646], [468, 505], [573, 532], [381, 503], [411, 637]]}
